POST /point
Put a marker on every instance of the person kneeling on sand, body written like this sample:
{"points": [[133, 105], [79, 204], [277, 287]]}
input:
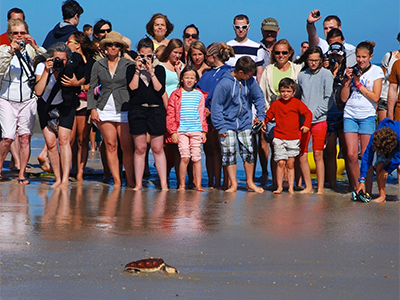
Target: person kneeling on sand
{"points": [[231, 115], [386, 143]]}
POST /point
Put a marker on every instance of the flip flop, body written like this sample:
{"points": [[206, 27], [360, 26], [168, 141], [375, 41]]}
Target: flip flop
{"points": [[23, 181]]}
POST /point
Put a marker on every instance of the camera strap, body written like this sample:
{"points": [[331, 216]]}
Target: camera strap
{"points": [[54, 91], [23, 62]]}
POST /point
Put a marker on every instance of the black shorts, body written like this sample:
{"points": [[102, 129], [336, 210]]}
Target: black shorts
{"points": [[67, 114], [150, 120]]}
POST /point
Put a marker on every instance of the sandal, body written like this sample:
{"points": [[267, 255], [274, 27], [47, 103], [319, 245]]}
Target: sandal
{"points": [[23, 181]]}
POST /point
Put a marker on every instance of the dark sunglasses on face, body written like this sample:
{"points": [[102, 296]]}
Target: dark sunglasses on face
{"points": [[146, 56], [281, 52], [116, 45], [244, 27], [18, 32], [188, 35], [104, 30]]}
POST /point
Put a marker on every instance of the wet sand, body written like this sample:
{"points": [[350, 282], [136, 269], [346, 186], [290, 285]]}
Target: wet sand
{"points": [[73, 243]]}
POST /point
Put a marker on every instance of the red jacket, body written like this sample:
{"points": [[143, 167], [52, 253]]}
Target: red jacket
{"points": [[174, 111]]}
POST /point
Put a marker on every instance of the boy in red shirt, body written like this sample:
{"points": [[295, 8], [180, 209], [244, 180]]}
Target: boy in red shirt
{"points": [[286, 111]]}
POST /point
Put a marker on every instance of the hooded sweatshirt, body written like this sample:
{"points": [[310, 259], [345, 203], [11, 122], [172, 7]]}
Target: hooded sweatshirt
{"points": [[60, 33], [232, 102]]}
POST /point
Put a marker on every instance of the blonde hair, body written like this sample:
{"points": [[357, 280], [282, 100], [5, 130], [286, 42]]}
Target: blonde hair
{"points": [[14, 23]]}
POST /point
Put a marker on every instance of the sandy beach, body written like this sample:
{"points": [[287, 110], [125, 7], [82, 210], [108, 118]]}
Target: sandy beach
{"points": [[74, 243]]}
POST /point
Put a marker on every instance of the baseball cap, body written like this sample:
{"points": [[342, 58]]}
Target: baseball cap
{"points": [[270, 24], [336, 48]]}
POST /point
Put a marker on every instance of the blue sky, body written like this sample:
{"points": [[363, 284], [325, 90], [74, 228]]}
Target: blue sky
{"points": [[378, 21]]}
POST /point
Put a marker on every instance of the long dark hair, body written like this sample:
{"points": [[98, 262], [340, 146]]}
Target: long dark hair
{"points": [[312, 50]]}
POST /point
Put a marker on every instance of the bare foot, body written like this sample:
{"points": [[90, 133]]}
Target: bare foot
{"points": [[138, 188], [199, 189], [56, 184], [232, 188], [380, 199], [79, 177], [291, 191], [320, 192], [181, 188], [307, 191], [278, 190], [44, 164], [254, 188]]}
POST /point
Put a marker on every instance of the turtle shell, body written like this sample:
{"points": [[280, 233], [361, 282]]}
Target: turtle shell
{"points": [[145, 265]]}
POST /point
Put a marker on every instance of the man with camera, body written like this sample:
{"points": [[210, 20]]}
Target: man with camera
{"points": [[71, 11], [330, 22]]}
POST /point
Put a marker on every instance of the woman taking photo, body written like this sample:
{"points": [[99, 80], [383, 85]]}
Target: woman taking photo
{"points": [[196, 57], [107, 99], [217, 54], [147, 111], [57, 104], [17, 101], [281, 66], [159, 27], [78, 42], [361, 92]]}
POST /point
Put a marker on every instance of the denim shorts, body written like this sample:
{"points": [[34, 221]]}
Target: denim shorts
{"points": [[361, 126]]}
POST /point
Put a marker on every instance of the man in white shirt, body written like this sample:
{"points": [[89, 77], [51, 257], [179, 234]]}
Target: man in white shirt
{"points": [[330, 22], [243, 46]]}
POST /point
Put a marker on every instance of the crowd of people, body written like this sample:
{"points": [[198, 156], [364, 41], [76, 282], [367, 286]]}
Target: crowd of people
{"points": [[173, 95]]}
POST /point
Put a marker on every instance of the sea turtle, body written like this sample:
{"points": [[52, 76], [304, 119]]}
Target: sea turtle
{"points": [[148, 265]]}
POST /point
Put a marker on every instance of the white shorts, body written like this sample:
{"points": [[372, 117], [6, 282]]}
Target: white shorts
{"points": [[284, 149], [17, 117]]}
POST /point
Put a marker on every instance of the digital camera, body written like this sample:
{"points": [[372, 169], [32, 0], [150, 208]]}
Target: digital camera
{"points": [[356, 70], [332, 62], [58, 64], [21, 44]]}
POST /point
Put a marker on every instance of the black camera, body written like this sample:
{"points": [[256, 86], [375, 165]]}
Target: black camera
{"points": [[356, 70], [257, 127], [316, 14], [144, 61], [332, 62], [58, 64]]}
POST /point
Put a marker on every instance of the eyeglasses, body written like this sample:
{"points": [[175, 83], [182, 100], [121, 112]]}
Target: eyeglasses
{"points": [[314, 61], [72, 41], [116, 45], [105, 30], [188, 35], [19, 32], [238, 27], [146, 56], [281, 52]]}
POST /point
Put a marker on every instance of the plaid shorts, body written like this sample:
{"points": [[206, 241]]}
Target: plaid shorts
{"points": [[228, 147]]}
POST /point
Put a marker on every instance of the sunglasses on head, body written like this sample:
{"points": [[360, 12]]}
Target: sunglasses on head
{"points": [[281, 52], [19, 32], [146, 56], [72, 41], [116, 45], [188, 35], [238, 27], [104, 30]]}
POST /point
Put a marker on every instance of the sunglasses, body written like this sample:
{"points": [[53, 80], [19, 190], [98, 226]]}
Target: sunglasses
{"points": [[72, 41], [146, 56], [281, 52], [104, 30], [238, 27], [19, 32], [188, 35], [315, 61], [116, 45]]}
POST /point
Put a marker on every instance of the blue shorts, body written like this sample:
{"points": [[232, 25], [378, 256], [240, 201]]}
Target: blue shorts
{"points": [[360, 126]]}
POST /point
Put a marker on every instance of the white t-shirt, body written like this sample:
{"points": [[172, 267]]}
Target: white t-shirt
{"points": [[323, 44], [358, 106], [58, 98]]}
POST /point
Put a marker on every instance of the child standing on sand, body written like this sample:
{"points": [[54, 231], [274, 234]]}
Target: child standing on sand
{"points": [[286, 111], [231, 115], [187, 124]]}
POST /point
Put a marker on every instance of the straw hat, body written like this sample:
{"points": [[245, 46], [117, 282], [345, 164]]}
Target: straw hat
{"points": [[113, 37]]}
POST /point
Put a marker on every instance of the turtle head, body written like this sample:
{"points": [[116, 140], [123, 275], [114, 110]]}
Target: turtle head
{"points": [[169, 270]]}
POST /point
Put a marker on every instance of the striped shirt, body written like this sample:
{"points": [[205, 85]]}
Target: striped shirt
{"points": [[248, 48], [190, 119]]}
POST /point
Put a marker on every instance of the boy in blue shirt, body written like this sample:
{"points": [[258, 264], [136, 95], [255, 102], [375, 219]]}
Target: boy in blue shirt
{"points": [[231, 115]]}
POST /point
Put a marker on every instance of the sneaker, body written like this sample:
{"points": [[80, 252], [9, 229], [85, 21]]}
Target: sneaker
{"points": [[354, 196], [364, 197]]}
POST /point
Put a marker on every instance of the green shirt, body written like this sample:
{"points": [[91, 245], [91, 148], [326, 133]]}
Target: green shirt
{"points": [[278, 75]]}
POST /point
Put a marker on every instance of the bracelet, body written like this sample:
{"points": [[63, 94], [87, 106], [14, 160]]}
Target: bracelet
{"points": [[358, 85], [361, 180]]}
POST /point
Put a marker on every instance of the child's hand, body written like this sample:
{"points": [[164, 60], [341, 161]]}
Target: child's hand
{"points": [[174, 138], [264, 128], [255, 120], [204, 137], [304, 129], [222, 134], [207, 111]]}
